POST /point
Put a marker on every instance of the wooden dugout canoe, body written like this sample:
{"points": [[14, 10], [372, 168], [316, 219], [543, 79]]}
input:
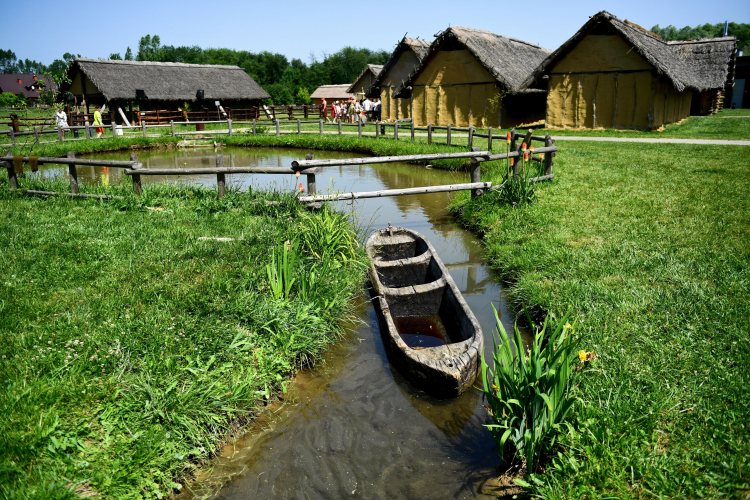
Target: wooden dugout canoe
{"points": [[431, 335]]}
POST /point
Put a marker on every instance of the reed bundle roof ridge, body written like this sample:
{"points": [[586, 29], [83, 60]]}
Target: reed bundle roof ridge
{"points": [[689, 64], [509, 60], [417, 45], [168, 81], [371, 68]]}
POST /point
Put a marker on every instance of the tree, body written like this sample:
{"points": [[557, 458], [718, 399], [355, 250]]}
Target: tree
{"points": [[8, 99], [7, 62], [115, 57], [303, 95], [148, 48], [128, 55], [280, 94]]}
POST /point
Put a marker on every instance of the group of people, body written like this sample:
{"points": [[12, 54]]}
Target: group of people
{"points": [[61, 121], [351, 111]]}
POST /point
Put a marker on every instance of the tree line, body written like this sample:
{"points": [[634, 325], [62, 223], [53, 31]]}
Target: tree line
{"points": [[741, 31]]}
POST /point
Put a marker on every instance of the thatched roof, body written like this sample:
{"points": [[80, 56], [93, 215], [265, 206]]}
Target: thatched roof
{"points": [[167, 81], [332, 92], [508, 60], [420, 49], [695, 64], [372, 69]]}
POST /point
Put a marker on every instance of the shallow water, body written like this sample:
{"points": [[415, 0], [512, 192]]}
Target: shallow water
{"points": [[352, 427]]}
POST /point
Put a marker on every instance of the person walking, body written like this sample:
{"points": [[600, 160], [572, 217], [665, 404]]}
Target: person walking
{"points": [[98, 124], [324, 109], [352, 110], [61, 119]]}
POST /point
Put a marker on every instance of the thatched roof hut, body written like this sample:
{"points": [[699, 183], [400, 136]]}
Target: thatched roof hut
{"points": [[408, 53], [163, 84], [331, 93], [469, 67], [608, 48], [365, 79]]}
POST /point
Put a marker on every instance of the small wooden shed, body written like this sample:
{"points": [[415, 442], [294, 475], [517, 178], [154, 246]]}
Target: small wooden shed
{"points": [[332, 93], [408, 54], [615, 74], [474, 77], [364, 80], [161, 85]]}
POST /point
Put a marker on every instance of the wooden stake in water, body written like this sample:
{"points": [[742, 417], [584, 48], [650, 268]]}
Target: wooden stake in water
{"points": [[390, 229]]}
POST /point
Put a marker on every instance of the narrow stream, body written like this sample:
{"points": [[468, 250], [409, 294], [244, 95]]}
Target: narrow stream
{"points": [[352, 427]]}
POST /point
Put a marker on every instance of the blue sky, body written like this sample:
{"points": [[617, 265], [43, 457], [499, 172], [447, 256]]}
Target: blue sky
{"points": [[44, 30]]}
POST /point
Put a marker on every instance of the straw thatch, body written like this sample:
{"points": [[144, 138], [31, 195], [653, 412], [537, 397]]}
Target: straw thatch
{"points": [[332, 92], [416, 45], [508, 60], [371, 70], [695, 64], [167, 81]]}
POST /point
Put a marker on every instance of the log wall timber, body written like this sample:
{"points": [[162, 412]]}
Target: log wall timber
{"points": [[397, 192]]}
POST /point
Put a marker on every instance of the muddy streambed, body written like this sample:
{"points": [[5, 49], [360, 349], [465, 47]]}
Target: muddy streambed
{"points": [[353, 427]]}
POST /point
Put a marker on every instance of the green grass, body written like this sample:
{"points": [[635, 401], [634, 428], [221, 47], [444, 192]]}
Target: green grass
{"points": [[650, 247], [130, 348]]}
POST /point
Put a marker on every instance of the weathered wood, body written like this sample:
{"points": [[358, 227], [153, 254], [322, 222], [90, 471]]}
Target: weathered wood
{"points": [[171, 124], [225, 170], [489, 139], [77, 161], [397, 192], [229, 125], [548, 142], [143, 127], [12, 135], [395, 130], [429, 133], [321, 125], [448, 134], [278, 131], [34, 192], [512, 154], [220, 177], [311, 191], [377, 129], [124, 118], [521, 150], [299, 127], [36, 134], [59, 134], [359, 128], [137, 188], [471, 136], [73, 174], [299, 164], [12, 177], [253, 127], [412, 129], [88, 131], [476, 176]]}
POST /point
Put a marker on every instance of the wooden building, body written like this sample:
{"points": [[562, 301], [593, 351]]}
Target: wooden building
{"points": [[158, 85], [474, 77], [404, 59], [615, 74], [332, 93], [28, 85], [364, 80], [739, 97]]}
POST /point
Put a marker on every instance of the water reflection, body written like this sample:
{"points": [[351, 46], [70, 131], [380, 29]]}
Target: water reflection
{"points": [[354, 427]]}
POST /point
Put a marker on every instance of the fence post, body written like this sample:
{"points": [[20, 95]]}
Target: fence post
{"points": [[476, 175], [321, 125], [73, 174], [304, 107], [471, 136], [59, 134], [311, 191], [137, 188], [143, 127], [114, 130], [278, 131], [220, 178], [513, 139], [299, 127], [12, 135], [359, 128], [489, 139], [171, 122], [448, 135], [517, 164], [429, 133], [339, 126], [36, 133], [88, 130], [12, 178], [395, 130], [377, 129], [229, 124], [253, 126], [548, 142], [412, 128]]}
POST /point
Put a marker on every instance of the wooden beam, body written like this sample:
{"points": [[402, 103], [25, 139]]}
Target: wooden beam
{"points": [[224, 170], [299, 164], [397, 192]]}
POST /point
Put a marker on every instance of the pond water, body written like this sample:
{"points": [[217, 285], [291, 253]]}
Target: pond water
{"points": [[352, 426]]}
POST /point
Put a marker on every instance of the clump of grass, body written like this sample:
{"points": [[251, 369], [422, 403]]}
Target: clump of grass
{"points": [[529, 395]]}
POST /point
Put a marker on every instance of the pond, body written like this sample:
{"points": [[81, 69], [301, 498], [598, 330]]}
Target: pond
{"points": [[352, 426]]}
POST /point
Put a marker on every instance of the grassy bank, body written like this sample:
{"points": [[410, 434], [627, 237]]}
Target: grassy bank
{"points": [[130, 348], [650, 247]]}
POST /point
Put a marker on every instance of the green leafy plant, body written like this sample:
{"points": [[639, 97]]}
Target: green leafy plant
{"points": [[281, 270], [530, 396], [326, 236]]}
